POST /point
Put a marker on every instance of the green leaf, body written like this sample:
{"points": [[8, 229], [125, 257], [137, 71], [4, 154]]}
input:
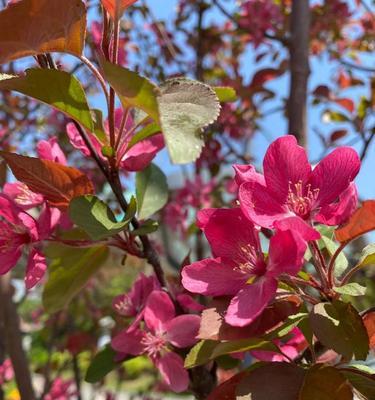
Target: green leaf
{"points": [[151, 191], [364, 383], [333, 116], [56, 88], [367, 256], [97, 119], [102, 364], [207, 350], [341, 263], [148, 131], [185, 108], [291, 322], [225, 94], [149, 226], [133, 90], [323, 382], [339, 327], [69, 273], [96, 218], [351, 289]]}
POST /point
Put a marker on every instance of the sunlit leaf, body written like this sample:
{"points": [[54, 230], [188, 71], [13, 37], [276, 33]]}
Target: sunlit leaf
{"points": [[151, 190], [148, 131], [69, 273], [361, 222], [31, 27], [351, 289], [367, 256], [339, 327], [325, 383], [185, 108], [96, 218], [225, 94], [58, 183], [55, 88]]}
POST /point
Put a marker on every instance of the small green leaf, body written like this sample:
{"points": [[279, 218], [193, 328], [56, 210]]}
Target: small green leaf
{"points": [[225, 94], [207, 350], [291, 322], [367, 256], [149, 226], [133, 90], [95, 217], [69, 273], [333, 116], [341, 263], [97, 119], [148, 131], [339, 327], [102, 364], [151, 191], [351, 289], [185, 108], [56, 88]]}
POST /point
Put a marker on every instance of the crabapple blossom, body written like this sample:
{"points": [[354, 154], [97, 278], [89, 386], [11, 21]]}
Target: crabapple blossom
{"points": [[239, 269], [163, 332], [290, 187]]}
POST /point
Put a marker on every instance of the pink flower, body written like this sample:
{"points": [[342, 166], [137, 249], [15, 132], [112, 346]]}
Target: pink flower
{"points": [[61, 390], [22, 195], [325, 194], [132, 304], [19, 229], [6, 371], [239, 268], [133, 158], [163, 331], [51, 151], [291, 348]]}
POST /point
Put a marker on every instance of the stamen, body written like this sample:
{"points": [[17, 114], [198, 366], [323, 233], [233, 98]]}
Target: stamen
{"points": [[298, 202], [153, 344]]}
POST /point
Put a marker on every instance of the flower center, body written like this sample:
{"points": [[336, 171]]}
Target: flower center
{"points": [[124, 305], [154, 344], [248, 261], [301, 198]]}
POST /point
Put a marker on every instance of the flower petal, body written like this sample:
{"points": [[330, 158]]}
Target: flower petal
{"points": [[171, 367], [338, 213], [8, 260], [299, 226], [159, 309], [334, 174], [250, 302], [281, 261], [285, 162], [35, 269], [212, 278], [182, 330], [78, 143], [247, 173], [129, 342], [51, 150], [260, 206]]}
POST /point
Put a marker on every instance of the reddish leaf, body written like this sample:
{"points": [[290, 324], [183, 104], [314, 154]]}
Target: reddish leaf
{"points": [[31, 27], [322, 91], [263, 76], [227, 390], [110, 6], [361, 222], [369, 322], [324, 382], [56, 182], [213, 326], [348, 104], [336, 135], [344, 80]]}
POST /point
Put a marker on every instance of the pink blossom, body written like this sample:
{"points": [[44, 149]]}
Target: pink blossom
{"points": [[51, 151], [291, 348], [325, 194], [22, 195], [6, 371], [134, 158], [61, 390], [239, 268], [18, 230], [162, 332]]}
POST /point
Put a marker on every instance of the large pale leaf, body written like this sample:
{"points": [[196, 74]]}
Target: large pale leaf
{"points": [[96, 218], [31, 27], [325, 383], [151, 190], [55, 88], [69, 273], [58, 183], [339, 327], [185, 108], [361, 222], [133, 89]]}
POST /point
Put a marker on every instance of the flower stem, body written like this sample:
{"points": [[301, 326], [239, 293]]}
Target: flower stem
{"points": [[320, 264], [331, 265]]}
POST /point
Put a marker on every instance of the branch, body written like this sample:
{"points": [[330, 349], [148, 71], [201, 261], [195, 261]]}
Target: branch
{"points": [[299, 69]]}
